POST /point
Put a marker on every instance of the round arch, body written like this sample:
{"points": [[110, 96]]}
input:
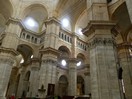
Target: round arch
{"points": [[65, 52], [129, 36], [26, 51], [80, 85], [63, 85], [121, 16], [82, 60]]}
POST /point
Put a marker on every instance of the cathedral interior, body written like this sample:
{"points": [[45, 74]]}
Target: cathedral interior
{"points": [[79, 48]]}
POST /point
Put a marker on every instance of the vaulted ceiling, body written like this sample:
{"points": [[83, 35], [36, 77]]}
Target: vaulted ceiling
{"points": [[71, 9]]}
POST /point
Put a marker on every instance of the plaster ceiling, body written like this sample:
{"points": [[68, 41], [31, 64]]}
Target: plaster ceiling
{"points": [[121, 16], [71, 9], [5, 8]]}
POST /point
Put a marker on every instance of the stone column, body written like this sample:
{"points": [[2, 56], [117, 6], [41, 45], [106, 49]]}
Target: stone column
{"points": [[103, 67], [125, 63], [48, 70], [72, 78], [34, 78], [6, 62]]}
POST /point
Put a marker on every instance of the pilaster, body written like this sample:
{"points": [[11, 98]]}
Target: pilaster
{"points": [[52, 32], [74, 45]]}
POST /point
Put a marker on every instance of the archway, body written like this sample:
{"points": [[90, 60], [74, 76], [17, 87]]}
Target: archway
{"points": [[82, 60], [26, 51], [121, 16], [65, 54], [63, 85], [80, 85]]}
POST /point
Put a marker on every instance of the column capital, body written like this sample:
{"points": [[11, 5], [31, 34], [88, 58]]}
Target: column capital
{"points": [[87, 73], [73, 60], [35, 60], [93, 25], [101, 41], [50, 50]]}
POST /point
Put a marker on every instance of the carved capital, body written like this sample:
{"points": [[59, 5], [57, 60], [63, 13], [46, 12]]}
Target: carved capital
{"points": [[72, 60], [49, 61], [35, 60], [87, 73], [101, 41], [50, 50]]}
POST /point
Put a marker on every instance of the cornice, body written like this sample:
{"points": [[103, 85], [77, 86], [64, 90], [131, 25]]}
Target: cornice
{"points": [[93, 25], [52, 20], [50, 50], [9, 51]]}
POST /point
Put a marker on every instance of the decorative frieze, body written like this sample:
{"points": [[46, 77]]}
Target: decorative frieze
{"points": [[50, 61], [101, 41]]}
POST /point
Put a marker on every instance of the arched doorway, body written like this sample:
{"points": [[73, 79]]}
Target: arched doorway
{"points": [[63, 85], [80, 85]]}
